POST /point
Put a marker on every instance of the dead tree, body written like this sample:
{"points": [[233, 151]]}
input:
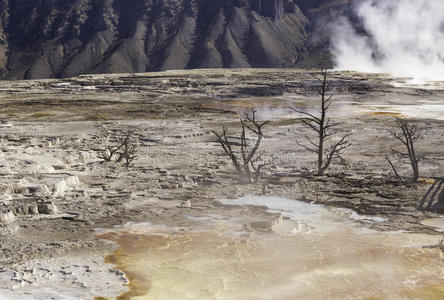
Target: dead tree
{"points": [[408, 136], [125, 151], [325, 129], [245, 157], [108, 153]]}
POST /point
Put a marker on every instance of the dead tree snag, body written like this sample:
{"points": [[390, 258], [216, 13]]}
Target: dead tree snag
{"points": [[325, 129], [245, 156], [124, 152], [408, 136]]}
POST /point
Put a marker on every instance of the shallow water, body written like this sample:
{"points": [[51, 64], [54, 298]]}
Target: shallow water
{"points": [[314, 253]]}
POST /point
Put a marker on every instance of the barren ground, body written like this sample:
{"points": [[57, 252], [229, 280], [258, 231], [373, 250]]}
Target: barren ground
{"points": [[60, 192]]}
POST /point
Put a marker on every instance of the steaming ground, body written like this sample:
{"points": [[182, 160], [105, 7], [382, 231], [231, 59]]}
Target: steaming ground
{"points": [[403, 38], [59, 192]]}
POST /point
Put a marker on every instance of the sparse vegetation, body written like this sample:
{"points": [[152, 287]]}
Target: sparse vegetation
{"points": [[13, 189], [246, 158], [97, 117], [180, 174], [39, 115], [125, 152], [324, 129], [408, 136]]}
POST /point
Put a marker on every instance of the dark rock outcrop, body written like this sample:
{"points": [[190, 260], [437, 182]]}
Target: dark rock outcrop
{"points": [[63, 38]]}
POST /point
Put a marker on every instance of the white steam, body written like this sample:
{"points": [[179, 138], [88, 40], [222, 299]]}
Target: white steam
{"points": [[404, 38]]}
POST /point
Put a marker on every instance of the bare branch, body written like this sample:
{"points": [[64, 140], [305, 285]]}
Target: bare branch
{"points": [[394, 169], [312, 117], [311, 142], [126, 151], [309, 123], [307, 148], [336, 150], [323, 128], [394, 151], [248, 154]]}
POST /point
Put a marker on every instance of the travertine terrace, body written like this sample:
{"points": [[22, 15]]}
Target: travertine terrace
{"points": [[56, 192]]}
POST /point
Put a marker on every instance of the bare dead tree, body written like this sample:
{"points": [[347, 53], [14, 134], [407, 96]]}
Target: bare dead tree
{"points": [[108, 153], [126, 151], [257, 167], [246, 157], [130, 156], [408, 136], [324, 129]]}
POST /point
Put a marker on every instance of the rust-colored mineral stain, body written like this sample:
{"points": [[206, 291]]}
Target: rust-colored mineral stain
{"points": [[134, 248], [426, 180], [129, 246], [209, 265], [430, 292], [386, 114]]}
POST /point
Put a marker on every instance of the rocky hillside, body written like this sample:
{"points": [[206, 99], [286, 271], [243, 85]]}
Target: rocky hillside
{"points": [[63, 38]]}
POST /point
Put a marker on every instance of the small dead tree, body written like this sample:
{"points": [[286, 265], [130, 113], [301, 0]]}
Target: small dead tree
{"points": [[108, 153], [408, 136], [125, 151], [245, 157], [324, 129]]}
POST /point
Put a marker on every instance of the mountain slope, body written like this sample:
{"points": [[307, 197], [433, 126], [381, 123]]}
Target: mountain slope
{"points": [[63, 38]]}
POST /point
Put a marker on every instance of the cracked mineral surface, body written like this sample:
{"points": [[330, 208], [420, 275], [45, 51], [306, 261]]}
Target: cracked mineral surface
{"points": [[63, 209]]}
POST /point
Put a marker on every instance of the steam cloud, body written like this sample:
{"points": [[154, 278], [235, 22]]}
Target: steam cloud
{"points": [[404, 38]]}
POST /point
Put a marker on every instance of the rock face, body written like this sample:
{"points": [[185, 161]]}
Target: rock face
{"points": [[54, 38]]}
